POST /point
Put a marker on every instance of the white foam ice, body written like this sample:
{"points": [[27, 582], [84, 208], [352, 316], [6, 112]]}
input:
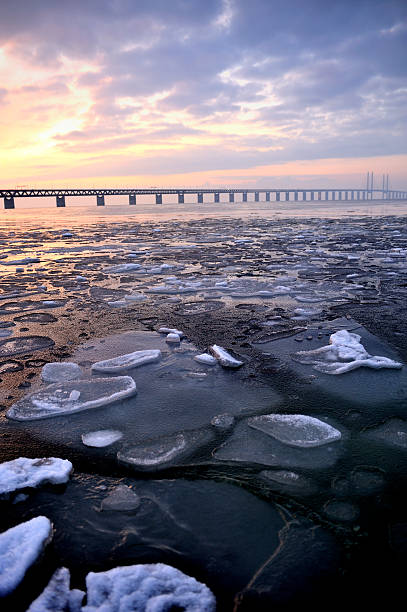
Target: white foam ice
{"points": [[206, 359], [154, 588], [126, 362], [169, 330], [57, 596], [20, 546], [62, 398], [123, 268], [60, 371], [343, 354], [225, 359], [21, 473], [173, 338], [101, 438], [307, 312], [118, 303], [296, 429]]}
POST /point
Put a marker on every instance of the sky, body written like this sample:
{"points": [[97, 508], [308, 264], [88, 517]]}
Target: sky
{"points": [[167, 93]]}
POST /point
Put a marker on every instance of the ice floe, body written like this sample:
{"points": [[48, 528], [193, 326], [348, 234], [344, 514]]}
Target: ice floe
{"points": [[60, 371], [225, 359], [51, 303], [292, 483], [101, 438], [162, 452], [342, 511], [121, 498], [123, 268], [206, 359], [126, 362], [343, 354], [173, 338], [22, 473], [296, 429], [135, 297], [20, 546], [156, 587], [223, 421], [392, 433], [72, 396], [248, 446]]}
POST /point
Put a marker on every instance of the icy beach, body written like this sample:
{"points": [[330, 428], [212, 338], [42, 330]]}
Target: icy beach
{"points": [[202, 409]]}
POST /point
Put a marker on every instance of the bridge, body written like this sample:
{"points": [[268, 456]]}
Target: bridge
{"points": [[275, 195]]}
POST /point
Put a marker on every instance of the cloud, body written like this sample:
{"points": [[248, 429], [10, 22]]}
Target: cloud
{"points": [[257, 81]]}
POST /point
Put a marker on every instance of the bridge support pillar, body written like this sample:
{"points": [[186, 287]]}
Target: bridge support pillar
{"points": [[256, 196], [287, 196], [277, 196], [326, 195], [60, 201], [132, 199], [216, 197], [340, 195], [358, 195], [231, 197], [158, 198], [100, 199], [352, 195], [244, 194], [180, 198], [319, 195], [296, 196], [9, 202], [312, 195], [304, 195], [267, 196], [334, 195], [346, 195], [200, 198]]}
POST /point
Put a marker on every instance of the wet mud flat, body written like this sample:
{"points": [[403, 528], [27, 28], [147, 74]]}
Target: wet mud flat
{"points": [[241, 501]]}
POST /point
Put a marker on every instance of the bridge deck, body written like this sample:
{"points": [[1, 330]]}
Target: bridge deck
{"points": [[40, 193]]}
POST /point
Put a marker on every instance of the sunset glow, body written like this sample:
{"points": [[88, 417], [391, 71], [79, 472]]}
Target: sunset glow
{"points": [[204, 93]]}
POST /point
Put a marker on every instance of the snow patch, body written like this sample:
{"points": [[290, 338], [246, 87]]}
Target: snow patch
{"points": [[343, 354], [20, 546], [22, 472]]}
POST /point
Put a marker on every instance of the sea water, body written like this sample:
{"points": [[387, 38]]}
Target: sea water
{"points": [[219, 487]]}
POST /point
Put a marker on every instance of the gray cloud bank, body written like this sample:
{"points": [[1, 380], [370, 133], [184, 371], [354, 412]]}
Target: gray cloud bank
{"points": [[308, 80]]}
